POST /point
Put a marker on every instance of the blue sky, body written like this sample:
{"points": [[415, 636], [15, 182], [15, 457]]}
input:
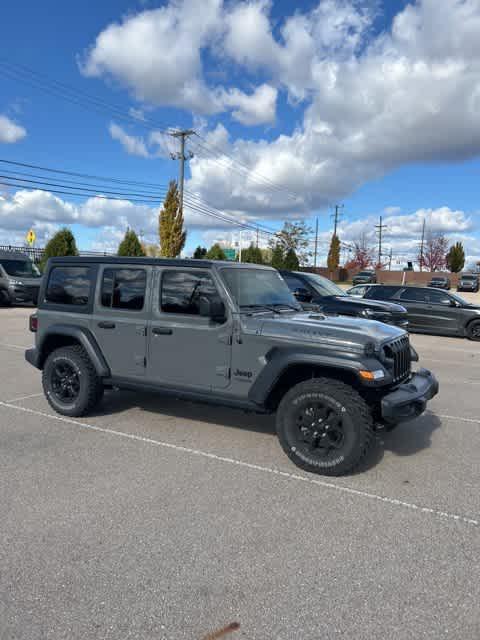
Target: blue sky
{"points": [[374, 105]]}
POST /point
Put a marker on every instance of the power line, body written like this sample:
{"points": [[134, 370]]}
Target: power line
{"points": [[78, 175], [78, 97], [13, 175]]}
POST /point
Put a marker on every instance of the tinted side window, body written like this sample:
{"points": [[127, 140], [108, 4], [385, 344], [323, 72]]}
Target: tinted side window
{"points": [[69, 285], [294, 282], [181, 291], [124, 288], [438, 297], [414, 295], [381, 293]]}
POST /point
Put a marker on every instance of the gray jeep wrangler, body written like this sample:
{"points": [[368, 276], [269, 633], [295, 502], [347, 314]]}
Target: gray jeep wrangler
{"points": [[229, 334]]}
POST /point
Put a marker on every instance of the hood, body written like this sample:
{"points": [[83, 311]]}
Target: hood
{"points": [[341, 332], [360, 304]]}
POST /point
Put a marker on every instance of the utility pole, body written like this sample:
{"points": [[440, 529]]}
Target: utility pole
{"points": [[380, 227], [183, 134], [316, 244], [336, 216], [240, 248], [422, 245], [390, 260], [257, 236]]}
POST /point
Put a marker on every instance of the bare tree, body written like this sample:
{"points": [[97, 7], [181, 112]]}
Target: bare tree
{"points": [[363, 253], [434, 257]]}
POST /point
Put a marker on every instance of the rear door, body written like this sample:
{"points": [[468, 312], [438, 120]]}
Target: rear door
{"points": [[119, 321], [186, 349]]}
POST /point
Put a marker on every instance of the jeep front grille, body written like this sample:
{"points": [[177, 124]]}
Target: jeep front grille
{"points": [[397, 354]]}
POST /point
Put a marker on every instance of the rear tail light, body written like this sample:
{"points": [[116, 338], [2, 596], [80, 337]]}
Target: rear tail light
{"points": [[33, 323]]}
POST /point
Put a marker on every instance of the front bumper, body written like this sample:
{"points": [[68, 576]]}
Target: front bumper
{"points": [[410, 399], [24, 293]]}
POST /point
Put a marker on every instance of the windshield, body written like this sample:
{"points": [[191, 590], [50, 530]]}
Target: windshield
{"points": [[324, 286], [258, 287], [436, 279], [365, 273], [468, 277], [21, 268]]}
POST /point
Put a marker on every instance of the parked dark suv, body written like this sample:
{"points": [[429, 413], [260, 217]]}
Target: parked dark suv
{"points": [[432, 311], [364, 277], [468, 282], [229, 334], [19, 278], [313, 290], [440, 282]]}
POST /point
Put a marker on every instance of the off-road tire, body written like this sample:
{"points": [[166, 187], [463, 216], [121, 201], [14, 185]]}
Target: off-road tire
{"points": [[473, 331], [90, 385], [356, 421]]}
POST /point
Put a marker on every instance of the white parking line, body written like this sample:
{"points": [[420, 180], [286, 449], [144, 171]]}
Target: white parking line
{"points": [[439, 415], [31, 395], [247, 465], [13, 346]]}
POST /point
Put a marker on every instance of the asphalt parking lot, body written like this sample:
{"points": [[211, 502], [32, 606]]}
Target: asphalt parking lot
{"points": [[157, 518]]}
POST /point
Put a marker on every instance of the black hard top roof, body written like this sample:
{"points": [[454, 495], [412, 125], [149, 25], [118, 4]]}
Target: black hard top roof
{"points": [[155, 262]]}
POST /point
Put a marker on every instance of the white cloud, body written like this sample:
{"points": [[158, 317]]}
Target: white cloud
{"points": [[10, 132], [133, 145], [157, 54], [257, 108], [372, 103]]}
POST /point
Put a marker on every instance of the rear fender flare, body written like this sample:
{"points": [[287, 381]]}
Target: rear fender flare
{"points": [[85, 338]]}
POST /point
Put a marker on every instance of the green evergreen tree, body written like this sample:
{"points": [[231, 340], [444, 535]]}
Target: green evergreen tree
{"points": [[199, 253], [170, 224], [62, 244], [278, 257], [291, 261], [216, 253], [130, 245], [333, 259], [456, 257], [252, 254]]}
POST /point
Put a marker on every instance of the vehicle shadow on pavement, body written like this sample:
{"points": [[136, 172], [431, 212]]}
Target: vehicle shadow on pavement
{"points": [[118, 402], [407, 439]]}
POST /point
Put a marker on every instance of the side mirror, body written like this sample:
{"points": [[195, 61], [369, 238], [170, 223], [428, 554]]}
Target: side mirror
{"points": [[453, 303], [302, 295], [213, 308]]}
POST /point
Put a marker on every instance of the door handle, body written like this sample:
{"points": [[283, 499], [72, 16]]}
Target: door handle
{"points": [[106, 325], [162, 331]]}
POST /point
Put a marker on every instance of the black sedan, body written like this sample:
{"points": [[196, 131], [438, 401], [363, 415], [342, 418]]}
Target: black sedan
{"points": [[432, 311], [314, 291]]}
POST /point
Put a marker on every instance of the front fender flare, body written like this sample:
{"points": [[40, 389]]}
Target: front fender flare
{"points": [[279, 360]]}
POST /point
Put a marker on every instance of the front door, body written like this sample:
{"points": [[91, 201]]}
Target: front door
{"points": [[443, 316], [184, 348], [119, 321], [415, 301]]}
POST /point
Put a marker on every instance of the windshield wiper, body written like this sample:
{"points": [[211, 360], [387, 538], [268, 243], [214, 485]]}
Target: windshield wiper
{"points": [[260, 307], [285, 305]]}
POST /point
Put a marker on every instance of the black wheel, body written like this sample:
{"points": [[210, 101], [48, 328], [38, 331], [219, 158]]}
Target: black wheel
{"points": [[70, 382], [473, 331], [324, 426], [5, 299]]}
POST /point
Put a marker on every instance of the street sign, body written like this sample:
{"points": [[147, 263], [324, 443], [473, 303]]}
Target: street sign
{"points": [[230, 254], [31, 237]]}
